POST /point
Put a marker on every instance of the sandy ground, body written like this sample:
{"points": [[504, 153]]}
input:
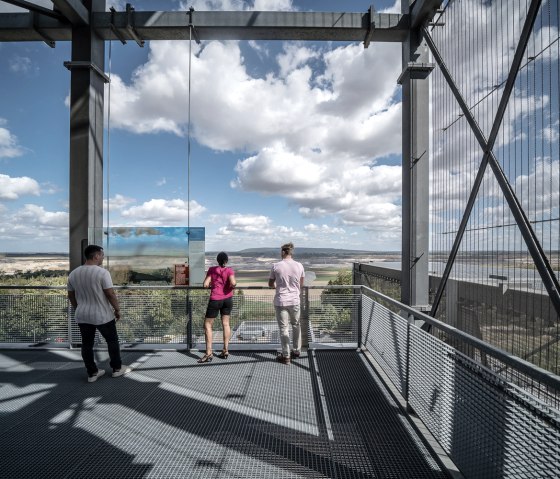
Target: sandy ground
{"points": [[249, 277], [9, 265]]}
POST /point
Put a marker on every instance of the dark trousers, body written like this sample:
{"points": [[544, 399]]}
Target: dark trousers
{"points": [[109, 333]]}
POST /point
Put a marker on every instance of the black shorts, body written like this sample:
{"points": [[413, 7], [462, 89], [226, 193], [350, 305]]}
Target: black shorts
{"points": [[224, 306]]}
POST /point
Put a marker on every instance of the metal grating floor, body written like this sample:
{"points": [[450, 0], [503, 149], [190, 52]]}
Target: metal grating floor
{"points": [[324, 416]]}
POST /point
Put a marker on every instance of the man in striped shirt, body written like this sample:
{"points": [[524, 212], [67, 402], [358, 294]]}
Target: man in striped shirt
{"points": [[91, 293]]}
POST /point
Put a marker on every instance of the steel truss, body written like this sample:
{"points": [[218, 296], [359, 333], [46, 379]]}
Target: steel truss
{"points": [[539, 257]]}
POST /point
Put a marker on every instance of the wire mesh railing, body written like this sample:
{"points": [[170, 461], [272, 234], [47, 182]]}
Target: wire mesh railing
{"points": [[495, 414], [175, 315]]}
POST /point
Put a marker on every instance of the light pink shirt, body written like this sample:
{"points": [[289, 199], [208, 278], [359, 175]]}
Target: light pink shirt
{"points": [[287, 274]]}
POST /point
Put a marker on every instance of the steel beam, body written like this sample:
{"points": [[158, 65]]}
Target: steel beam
{"points": [[16, 27], [73, 10], [32, 7], [423, 10]]}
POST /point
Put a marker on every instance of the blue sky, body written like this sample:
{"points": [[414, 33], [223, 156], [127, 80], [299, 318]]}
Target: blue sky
{"points": [[290, 141]]}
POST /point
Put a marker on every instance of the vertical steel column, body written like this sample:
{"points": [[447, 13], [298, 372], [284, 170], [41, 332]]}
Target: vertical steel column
{"points": [[415, 174], [86, 137]]}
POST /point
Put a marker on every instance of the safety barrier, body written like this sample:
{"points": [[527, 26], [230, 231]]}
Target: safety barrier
{"points": [[175, 315], [494, 414]]}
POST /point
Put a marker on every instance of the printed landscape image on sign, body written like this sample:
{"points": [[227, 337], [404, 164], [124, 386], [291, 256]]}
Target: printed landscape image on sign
{"points": [[151, 254]]}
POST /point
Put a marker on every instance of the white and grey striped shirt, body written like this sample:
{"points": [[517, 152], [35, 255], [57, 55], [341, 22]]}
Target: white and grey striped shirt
{"points": [[88, 283]]}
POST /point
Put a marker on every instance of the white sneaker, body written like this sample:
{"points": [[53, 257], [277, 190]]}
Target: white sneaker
{"points": [[121, 372], [96, 376]]}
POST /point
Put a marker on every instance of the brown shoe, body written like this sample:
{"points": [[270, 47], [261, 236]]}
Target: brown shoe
{"points": [[295, 354], [282, 359]]}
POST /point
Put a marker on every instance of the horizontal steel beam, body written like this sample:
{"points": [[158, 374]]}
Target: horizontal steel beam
{"points": [[73, 10], [389, 27]]}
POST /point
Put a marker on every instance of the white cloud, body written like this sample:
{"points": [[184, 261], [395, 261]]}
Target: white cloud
{"points": [[19, 64], [314, 126], [236, 5], [160, 212], [37, 215], [242, 229], [277, 171], [294, 57], [33, 228], [324, 229], [252, 224], [14, 188], [9, 147], [117, 203]]}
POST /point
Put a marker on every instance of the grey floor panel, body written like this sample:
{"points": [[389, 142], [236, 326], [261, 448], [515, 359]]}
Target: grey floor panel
{"points": [[324, 416]]}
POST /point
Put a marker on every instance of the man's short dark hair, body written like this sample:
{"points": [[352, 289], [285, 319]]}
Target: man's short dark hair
{"points": [[91, 249]]}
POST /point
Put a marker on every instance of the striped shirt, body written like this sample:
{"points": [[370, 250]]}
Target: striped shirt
{"points": [[88, 283]]}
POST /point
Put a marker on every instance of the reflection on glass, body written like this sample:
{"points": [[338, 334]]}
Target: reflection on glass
{"points": [[151, 254]]}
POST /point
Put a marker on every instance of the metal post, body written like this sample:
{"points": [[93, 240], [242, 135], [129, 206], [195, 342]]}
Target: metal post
{"points": [[415, 172], [86, 137], [69, 315], [304, 318], [190, 344]]}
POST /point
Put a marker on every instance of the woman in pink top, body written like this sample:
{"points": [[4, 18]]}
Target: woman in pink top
{"points": [[221, 281]]}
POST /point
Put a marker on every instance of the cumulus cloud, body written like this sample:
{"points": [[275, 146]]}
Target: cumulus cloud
{"points": [[14, 188], [118, 202], [242, 229], [9, 147], [34, 228], [37, 215], [160, 212], [238, 223], [317, 125]]}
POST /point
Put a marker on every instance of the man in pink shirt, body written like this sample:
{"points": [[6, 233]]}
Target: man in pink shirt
{"points": [[287, 277]]}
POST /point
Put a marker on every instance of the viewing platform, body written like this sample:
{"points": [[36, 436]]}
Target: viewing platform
{"points": [[376, 394], [327, 415]]}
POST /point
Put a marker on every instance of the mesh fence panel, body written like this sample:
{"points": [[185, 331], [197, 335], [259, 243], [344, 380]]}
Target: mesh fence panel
{"points": [[493, 419], [34, 318], [169, 315]]}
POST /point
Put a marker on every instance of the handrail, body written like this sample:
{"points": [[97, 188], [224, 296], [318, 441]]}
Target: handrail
{"points": [[542, 375], [545, 377], [173, 287]]}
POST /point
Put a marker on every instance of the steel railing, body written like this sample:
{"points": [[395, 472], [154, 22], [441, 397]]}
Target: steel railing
{"points": [[167, 314], [496, 415]]}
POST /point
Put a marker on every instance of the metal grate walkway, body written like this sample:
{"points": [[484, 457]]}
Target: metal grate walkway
{"points": [[325, 416]]}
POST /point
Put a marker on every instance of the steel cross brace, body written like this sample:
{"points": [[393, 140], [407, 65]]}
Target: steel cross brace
{"points": [[533, 245]]}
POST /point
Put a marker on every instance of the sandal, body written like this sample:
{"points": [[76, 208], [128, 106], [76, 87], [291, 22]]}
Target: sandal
{"points": [[224, 354], [206, 358]]}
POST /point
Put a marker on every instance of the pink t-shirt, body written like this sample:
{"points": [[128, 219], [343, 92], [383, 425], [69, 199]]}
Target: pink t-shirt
{"points": [[219, 284], [287, 274]]}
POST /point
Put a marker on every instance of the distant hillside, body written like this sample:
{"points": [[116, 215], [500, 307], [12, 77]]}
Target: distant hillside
{"points": [[307, 252]]}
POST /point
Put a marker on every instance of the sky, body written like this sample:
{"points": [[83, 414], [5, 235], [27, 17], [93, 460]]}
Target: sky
{"points": [[291, 141]]}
